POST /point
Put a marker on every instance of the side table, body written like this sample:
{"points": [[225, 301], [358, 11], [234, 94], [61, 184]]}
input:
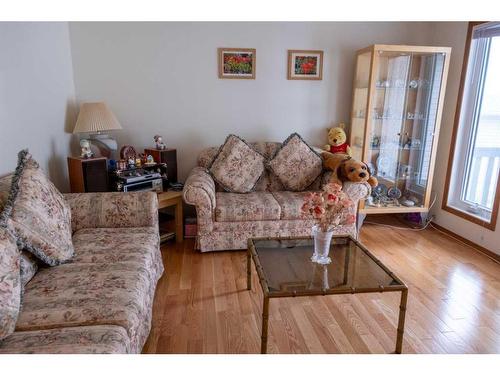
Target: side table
{"points": [[169, 199]]}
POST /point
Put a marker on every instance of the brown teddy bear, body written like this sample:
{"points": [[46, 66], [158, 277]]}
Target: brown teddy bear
{"points": [[345, 168], [337, 141]]}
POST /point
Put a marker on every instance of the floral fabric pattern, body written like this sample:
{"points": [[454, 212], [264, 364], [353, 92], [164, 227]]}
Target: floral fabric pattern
{"points": [[38, 213], [237, 167], [296, 164], [113, 210], [10, 283], [226, 221], [199, 190], [100, 301], [29, 266], [245, 207], [234, 235], [96, 339], [290, 203]]}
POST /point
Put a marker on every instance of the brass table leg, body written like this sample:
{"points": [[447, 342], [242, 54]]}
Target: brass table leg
{"points": [[249, 270], [265, 323], [401, 321]]}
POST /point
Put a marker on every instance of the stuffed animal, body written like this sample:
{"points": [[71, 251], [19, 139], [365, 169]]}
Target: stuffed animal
{"points": [[337, 141], [345, 168]]}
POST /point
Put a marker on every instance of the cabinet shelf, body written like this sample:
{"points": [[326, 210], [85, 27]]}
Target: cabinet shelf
{"points": [[401, 113]]}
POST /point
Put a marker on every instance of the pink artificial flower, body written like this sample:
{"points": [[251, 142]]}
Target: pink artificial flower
{"points": [[318, 212], [318, 199]]}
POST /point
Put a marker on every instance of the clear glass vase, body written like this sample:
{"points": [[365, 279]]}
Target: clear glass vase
{"points": [[322, 242]]}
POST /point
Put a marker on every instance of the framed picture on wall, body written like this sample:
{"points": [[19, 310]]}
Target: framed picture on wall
{"points": [[237, 63], [304, 64]]}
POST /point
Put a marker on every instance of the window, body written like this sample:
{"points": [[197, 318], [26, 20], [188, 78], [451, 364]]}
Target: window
{"points": [[473, 186]]}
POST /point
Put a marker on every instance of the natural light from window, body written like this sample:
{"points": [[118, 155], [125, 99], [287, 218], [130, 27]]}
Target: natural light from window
{"points": [[484, 159]]}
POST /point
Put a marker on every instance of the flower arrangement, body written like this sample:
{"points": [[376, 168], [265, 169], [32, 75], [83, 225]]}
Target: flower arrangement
{"points": [[329, 207], [238, 63], [306, 65]]}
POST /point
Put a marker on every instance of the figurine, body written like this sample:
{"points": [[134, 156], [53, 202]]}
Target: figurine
{"points": [[138, 162], [86, 151], [150, 159], [122, 164], [159, 142], [131, 162]]}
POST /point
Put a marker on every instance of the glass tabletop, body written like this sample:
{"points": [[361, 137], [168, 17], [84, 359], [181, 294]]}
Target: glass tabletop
{"points": [[287, 269]]}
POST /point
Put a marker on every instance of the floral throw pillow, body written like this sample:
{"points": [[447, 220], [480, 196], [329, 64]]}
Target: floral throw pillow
{"points": [[10, 283], [38, 213], [237, 167], [296, 164]]}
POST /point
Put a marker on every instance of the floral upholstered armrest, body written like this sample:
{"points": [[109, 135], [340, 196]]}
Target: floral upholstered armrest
{"points": [[357, 190], [113, 210], [199, 190]]}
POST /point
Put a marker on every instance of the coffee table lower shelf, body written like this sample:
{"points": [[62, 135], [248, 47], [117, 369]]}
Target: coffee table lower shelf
{"points": [[252, 254]]}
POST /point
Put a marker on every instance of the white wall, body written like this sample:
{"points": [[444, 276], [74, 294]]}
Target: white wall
{"points": [[36, 96], [162, 78], [453, 34]]}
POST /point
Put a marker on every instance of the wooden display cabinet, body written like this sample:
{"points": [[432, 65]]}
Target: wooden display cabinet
{"points": [[398, 95]]}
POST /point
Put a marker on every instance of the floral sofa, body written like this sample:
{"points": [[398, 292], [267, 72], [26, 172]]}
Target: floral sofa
{"points": [[100, 301], [226, 220]]}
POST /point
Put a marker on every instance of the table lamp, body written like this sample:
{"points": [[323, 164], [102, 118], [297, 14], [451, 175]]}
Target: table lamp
{"points": [[96, 119]]}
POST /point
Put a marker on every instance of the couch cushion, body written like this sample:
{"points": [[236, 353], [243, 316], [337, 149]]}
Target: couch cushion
{"points": [[40, 216], [296, 164], [246, 207], [112, 245], [290, 203], [238, 166], [87, 294], [10, 283], [106, 339]]}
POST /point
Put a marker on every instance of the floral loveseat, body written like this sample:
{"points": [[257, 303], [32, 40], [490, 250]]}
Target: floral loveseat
{"points": [[100, 301], [226, 220]]}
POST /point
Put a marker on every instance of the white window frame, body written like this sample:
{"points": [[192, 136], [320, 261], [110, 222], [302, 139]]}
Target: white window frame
{"points": [[466, 129]]}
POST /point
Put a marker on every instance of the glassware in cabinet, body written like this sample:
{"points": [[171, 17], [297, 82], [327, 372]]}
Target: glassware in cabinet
{"points": [[397, 135]]}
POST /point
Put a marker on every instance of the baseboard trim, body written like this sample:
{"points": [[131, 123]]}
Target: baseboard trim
{"points": [[488, 253]]}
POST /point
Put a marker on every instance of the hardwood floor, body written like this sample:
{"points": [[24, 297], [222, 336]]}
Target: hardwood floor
{"points": [[202, 305]]}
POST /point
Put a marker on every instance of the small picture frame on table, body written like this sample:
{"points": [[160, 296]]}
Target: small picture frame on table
{"points": [[237, 63], [305, 65]]}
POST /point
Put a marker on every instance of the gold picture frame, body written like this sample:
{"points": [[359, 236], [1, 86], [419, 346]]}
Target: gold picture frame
{"points": [[237, 63], [305, 65]]}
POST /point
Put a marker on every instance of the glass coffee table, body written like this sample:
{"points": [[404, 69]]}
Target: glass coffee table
{"points": [[285, 270]]}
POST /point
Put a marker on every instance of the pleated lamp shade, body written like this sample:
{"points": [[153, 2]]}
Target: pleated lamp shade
{"points": [[95, 118]]}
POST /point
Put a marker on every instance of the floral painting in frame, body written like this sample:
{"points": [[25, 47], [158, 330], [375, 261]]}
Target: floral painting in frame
{"points": [[237, 63], [305, 64]]}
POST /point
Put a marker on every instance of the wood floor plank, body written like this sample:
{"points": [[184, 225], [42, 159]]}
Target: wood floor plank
{"points": [[202, 305]]}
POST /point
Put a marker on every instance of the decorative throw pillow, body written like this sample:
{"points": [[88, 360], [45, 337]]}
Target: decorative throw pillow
{"points": [[10, 283], [29, 267], [38, 213], [237, 166], [296, 164]]}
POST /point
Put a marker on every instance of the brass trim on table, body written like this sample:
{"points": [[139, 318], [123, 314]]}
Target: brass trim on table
{"points": [[268, 294]]}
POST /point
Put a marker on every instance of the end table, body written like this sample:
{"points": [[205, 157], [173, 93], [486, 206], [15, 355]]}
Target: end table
{"points": [[169, 199]]}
